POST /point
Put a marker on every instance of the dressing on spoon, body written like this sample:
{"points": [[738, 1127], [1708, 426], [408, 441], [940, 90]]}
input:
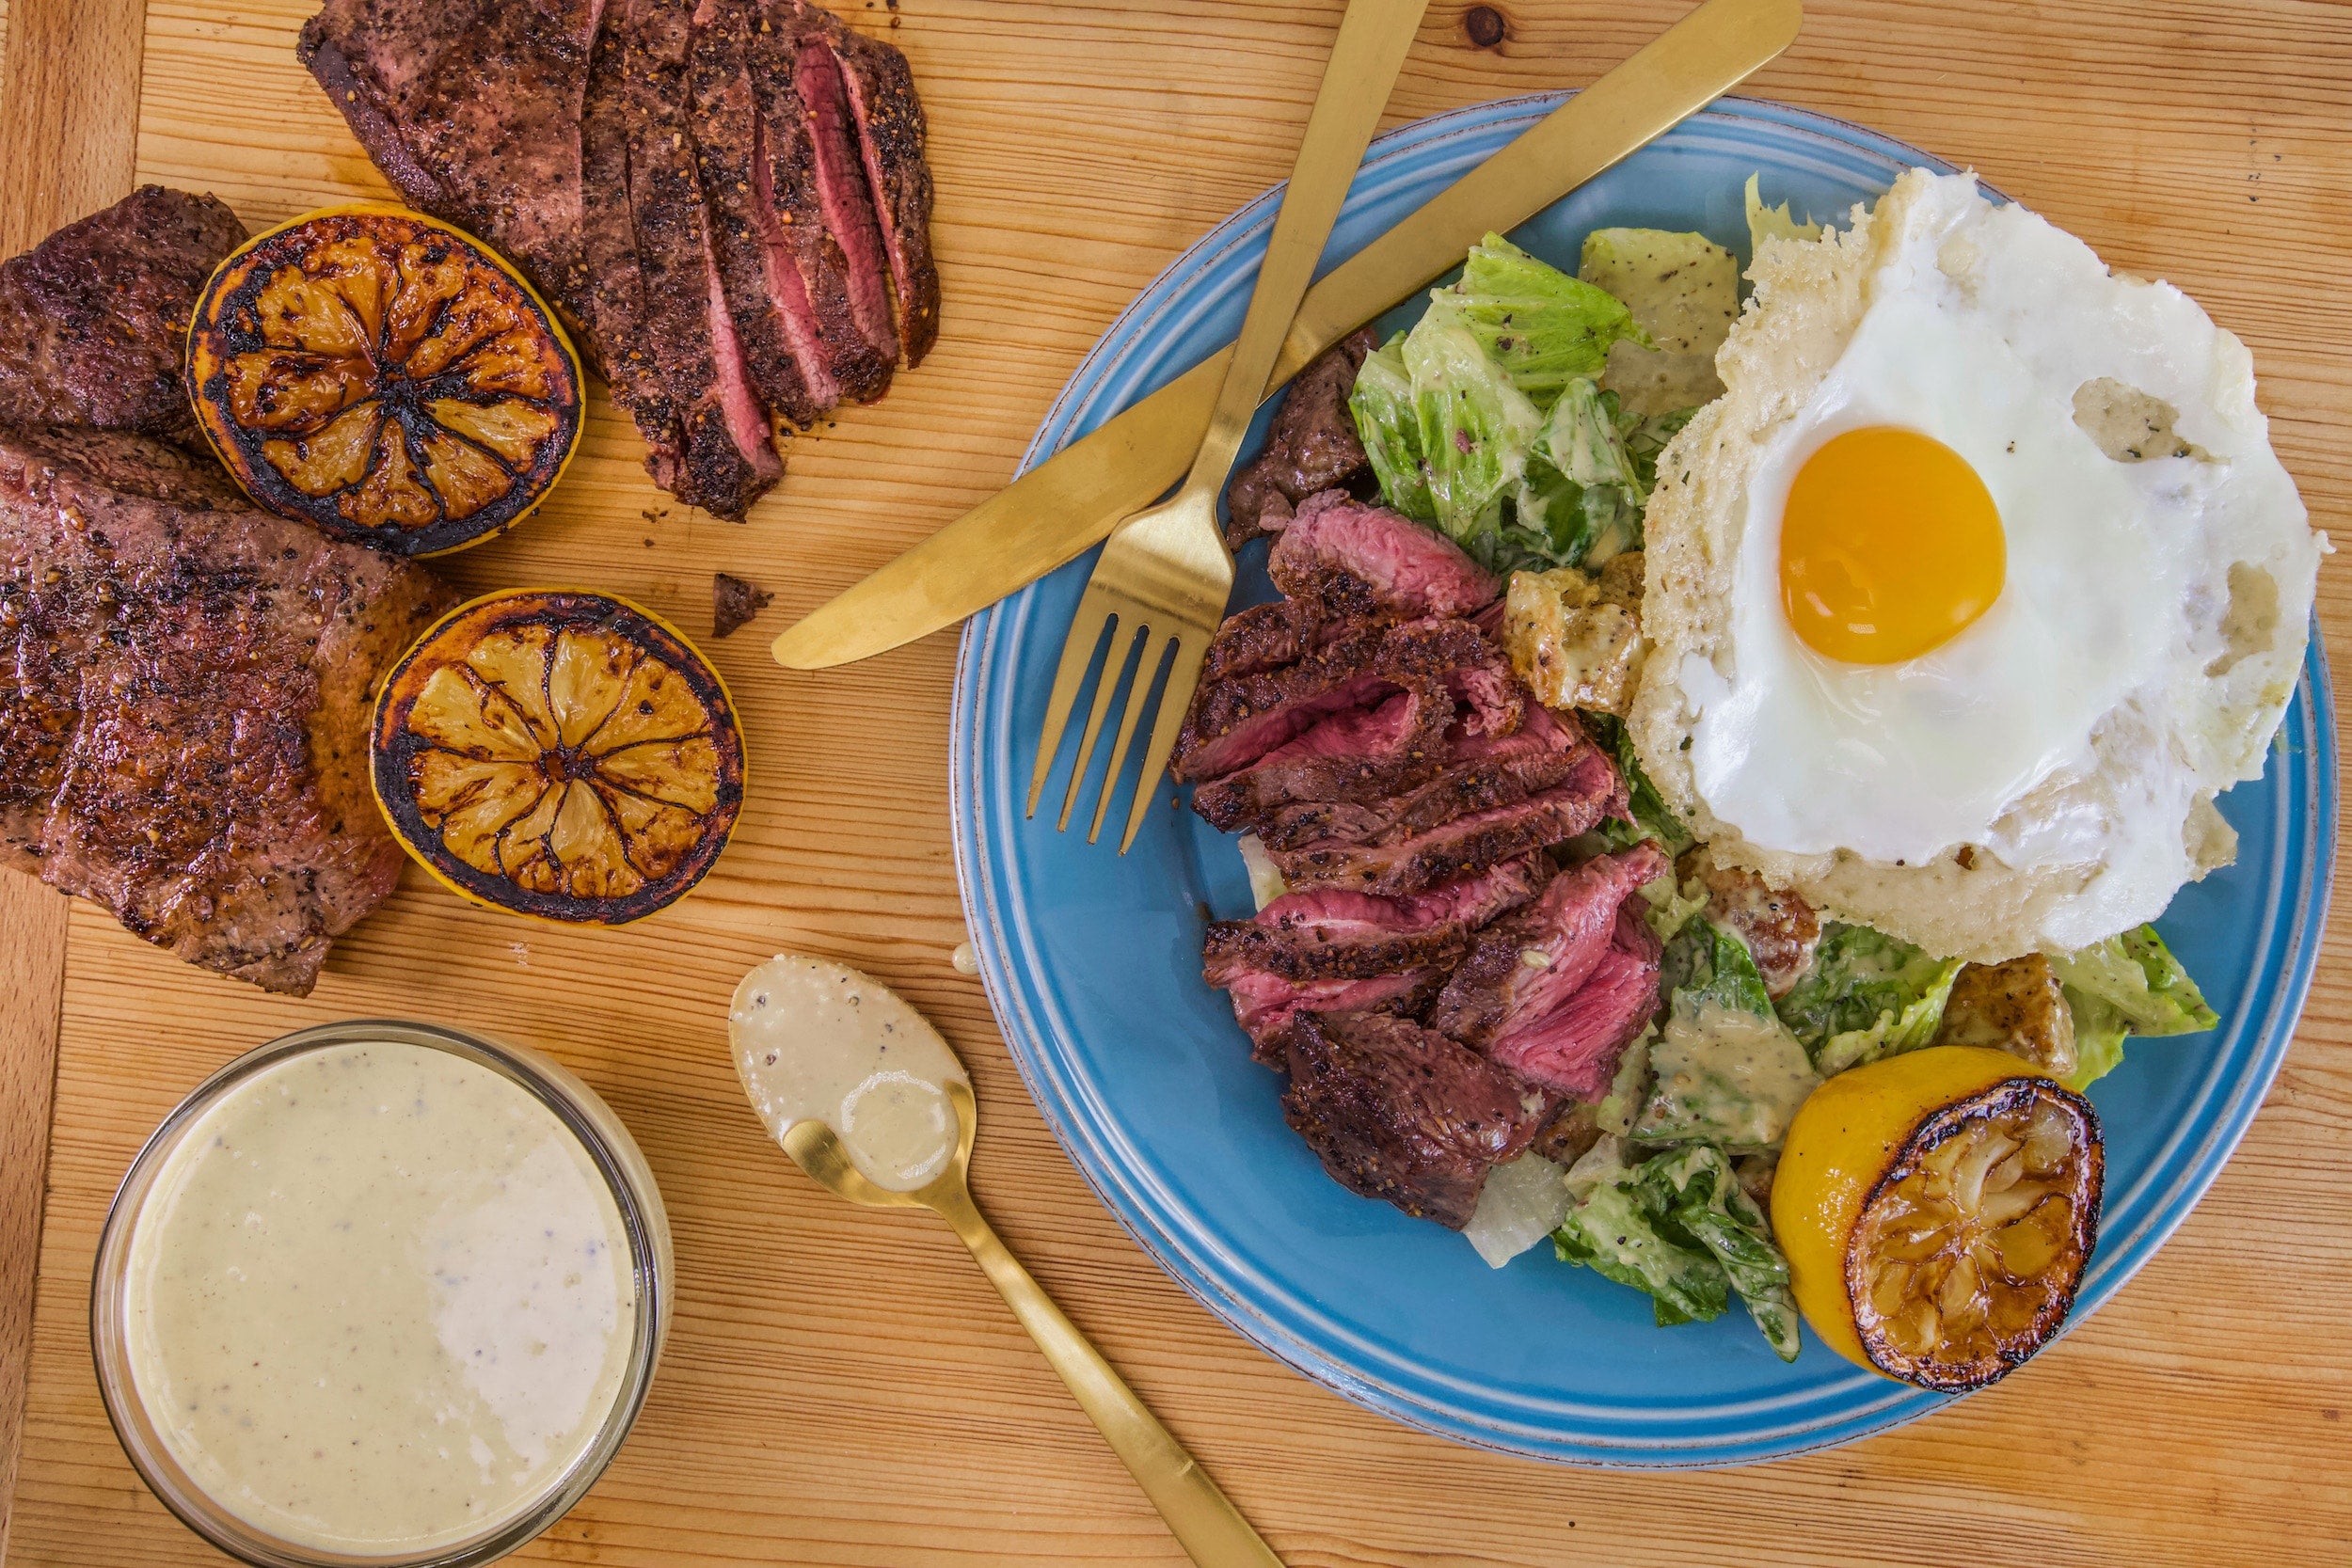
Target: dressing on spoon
{"points": [[818, 1042]]}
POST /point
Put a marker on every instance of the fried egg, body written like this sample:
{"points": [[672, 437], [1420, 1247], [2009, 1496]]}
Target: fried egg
{"points": [[1976, 585]]}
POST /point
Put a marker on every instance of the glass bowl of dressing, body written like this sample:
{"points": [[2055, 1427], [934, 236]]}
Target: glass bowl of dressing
{"points": [[380, 1294]]}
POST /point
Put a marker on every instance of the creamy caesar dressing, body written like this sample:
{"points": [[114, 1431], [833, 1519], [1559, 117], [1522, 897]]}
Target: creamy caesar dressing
{"points": [[379, 1300], [818, 1042], [1725, 1076]]}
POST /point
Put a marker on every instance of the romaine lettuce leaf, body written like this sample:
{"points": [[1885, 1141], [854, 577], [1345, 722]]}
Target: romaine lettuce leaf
{"points": [[1652, 817], [2137, 975], [1867, 996], [1476, 427], [1388, 421], [1679, 1228], [1710, 1205], [1707, 964], [1544, 327], [2099, 1030]]}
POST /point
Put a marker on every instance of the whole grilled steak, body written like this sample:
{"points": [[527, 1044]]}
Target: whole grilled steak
{"points": [[1402, 1113], [94, 320], [183, 711]]}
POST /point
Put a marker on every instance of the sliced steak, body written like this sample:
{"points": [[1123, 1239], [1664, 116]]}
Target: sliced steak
{"points": [[726, 460], [838, 167], [1345, 557], [1523, 967], [184, 703], [887, 117], [1466, 844], [1403, 1114], [616, 291], [1323, 934], [1266, 637], [1312, 445], [807, 271], [94, 319], [730, 150], [1573, 1048], [473, 108], [1469, 773], [1366, 757], [1237, 721], [1264, 1004]]}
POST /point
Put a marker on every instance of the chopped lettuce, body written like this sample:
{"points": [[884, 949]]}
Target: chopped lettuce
{"points": [[1672, 908], [1684, 290], [1523, 1201], [1615, 1113], [1476, 428], [1644, 438], [2099, 1030], [1724, 1069], [1679, 1229], [2127, 985], [1868, 996], [2137, 975], [1545, 328], [1723, 1218], [1388, 423], [1579, 498], [1652, 817], [1772, 223]]}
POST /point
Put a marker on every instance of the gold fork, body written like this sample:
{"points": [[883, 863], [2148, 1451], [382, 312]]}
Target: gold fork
{"points": [[1159, 590]]}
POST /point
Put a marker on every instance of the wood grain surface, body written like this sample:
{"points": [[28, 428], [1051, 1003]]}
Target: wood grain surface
{"points": [[69, 124], [842, 1387]]}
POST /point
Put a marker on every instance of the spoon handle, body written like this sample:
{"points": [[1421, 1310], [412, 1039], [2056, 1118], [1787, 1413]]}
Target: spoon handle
{"points": [[1207, 1523]]}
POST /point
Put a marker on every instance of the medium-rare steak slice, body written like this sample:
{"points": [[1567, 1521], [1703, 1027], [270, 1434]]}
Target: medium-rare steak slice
{"points": [[94, 319], [1312, 445], [1528, 964], [1402, 1113], [730, 152], [839, 169], [1573, 1048], [1369, 757], [1467, 844], [1343, 558], [877, 89], [1265, 1003], [1467, 773], [1237, 721], [184, 713], [1322, 934], [806, 269], [473, 108], [725, 460]]}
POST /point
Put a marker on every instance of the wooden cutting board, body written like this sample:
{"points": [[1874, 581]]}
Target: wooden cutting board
{"points": [[841, 1386]]}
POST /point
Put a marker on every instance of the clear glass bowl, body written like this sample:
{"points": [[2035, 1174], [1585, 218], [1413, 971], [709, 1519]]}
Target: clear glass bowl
{"points": [[610, 1148]]}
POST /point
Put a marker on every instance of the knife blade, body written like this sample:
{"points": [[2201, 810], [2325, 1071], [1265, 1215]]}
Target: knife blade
{"points": [[1072, 500]]}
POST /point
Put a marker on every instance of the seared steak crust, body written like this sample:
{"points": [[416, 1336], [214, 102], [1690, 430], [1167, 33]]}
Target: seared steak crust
{"points": [[1570, 929], [1465, 777], [94, 320], [184, 718], [1466, 844], [1401, 1113], [1312, 445], [1319, 935]]}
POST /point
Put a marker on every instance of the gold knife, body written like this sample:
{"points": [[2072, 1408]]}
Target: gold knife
{"points": [[1073, 500]]}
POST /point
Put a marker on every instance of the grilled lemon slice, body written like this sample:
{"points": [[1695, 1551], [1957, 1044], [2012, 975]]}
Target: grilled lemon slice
{"points": [[1937, 1210], [565, 755], [384, 376]]}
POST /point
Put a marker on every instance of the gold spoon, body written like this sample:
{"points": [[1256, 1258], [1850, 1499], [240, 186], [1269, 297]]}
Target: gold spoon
{"points": [[1207, 1523]]}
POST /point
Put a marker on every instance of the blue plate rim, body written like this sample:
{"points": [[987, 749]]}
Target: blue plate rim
{"points": [[2283, 972]]}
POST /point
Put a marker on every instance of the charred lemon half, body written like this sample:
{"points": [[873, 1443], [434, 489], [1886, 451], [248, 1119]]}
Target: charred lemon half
{"points": [[565, 755], [1937, 1210], [384, 376]]}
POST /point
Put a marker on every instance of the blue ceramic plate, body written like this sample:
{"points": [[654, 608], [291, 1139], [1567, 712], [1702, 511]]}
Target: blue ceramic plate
{"points": [[1093, 961]]}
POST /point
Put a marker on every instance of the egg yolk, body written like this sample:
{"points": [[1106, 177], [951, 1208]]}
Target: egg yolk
{"points": [[1890, 547]]}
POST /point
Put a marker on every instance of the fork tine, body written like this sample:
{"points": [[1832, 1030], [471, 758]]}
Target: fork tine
{"points": [[1192, 650], [1114, 665], [1077, 652], [1139, 698]]}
